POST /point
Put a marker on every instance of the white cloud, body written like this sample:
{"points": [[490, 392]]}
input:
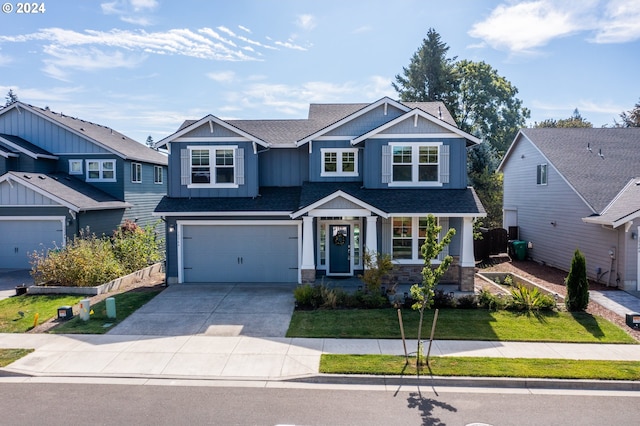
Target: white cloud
{"points": [[525, 26], [131, 11], [245, 29], [289, 44], [61, 59], [306, 22], [222, 76]]}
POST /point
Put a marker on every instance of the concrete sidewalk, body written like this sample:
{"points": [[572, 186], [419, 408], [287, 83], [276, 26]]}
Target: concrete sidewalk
{"points": [[246, 357]]}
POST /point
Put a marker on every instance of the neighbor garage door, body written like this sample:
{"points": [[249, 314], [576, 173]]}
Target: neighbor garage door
{"points": [[240, 253], [20, 237]]}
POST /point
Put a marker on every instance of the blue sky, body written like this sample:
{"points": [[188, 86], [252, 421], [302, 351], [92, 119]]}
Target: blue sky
{"points": [[143, 66]]}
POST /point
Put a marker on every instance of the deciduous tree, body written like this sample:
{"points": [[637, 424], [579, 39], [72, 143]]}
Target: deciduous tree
{"points": [[630, 118]]}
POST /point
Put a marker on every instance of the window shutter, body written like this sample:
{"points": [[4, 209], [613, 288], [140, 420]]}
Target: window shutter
{"points": [[386, 163], [240, 166], [444, 164], [444, 222], [185, 167]]}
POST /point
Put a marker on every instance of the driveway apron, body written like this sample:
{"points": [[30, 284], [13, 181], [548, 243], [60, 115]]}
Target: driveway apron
{"points": [[257, 310]]}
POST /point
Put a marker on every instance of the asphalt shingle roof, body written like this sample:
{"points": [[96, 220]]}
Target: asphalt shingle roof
{"points": [[597, 178], [113, 140], [26, 145], [73, 191]]}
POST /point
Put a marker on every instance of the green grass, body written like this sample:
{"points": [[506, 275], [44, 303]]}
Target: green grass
{"points": [[99, 323], [482, 367], [458, 324], [46, 306], [7, 356]]}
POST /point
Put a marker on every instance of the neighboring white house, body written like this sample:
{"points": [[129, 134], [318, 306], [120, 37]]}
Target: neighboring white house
{"points": [[568, 189]]}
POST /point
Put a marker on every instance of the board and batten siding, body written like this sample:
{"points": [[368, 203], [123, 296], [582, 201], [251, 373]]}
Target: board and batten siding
{"points": [[49, 136], [284, 166], [550, 216], [367, 122]]}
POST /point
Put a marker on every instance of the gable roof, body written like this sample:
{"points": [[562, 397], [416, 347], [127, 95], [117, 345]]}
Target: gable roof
{"points": [[103, 136], [596, 163], [17, 145], [623, 209], [70, 192], [322, 119]]}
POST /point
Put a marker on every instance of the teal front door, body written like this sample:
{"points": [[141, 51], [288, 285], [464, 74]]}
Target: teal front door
{"points": [[340, 249]]}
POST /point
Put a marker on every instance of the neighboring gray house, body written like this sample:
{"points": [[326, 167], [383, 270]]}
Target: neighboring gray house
{"points": [[60, 175], [293, 200], [568, 189]]}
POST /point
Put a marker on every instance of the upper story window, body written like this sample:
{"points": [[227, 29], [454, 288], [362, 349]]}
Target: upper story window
{"points": [[75, 167], [408, 236], [339, 162], [541, 178], [158, 174], [415, 164], [214, 166], [101, 170], [136, 172]]}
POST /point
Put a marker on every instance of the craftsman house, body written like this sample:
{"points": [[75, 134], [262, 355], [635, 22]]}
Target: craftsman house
{"points": [[293, 200], [568, 189], [60, 175]]}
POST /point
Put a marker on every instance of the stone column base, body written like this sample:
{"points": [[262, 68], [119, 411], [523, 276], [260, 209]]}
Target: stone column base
{"points": [[467, 277], [308, 275]]}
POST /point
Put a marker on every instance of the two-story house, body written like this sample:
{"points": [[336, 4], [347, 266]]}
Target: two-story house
{"points": [[60, 175], [568, 189], [291, 200]]}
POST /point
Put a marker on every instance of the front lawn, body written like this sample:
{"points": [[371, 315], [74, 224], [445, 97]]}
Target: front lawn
{"points": [[17, 314], [458, 324], [99, 323], [7, 356], [482, 367]]}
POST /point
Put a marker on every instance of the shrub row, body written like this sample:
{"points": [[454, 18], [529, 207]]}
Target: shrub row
{"points": [[87, 260]]}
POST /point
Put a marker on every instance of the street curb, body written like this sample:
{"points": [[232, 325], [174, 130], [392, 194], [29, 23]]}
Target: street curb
{"points": [[484, 382]]}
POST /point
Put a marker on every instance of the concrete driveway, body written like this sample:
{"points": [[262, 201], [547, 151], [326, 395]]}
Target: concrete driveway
{"points": [[258, 310], [10, 278]]}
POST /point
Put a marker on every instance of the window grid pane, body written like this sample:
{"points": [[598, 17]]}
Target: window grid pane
{"points": [[330, 161], [402, 238], [348, 162]]}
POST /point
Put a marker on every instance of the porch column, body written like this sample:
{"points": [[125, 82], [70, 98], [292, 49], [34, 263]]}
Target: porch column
{"points": [[308, 267], [371, 241], [467, 259]]}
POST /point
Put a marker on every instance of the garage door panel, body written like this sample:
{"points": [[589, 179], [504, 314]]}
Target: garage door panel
{"points": [[22, 237], [240, 253]]}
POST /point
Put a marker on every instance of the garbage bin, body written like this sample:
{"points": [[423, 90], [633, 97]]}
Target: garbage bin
{"points": [[520, 249]]}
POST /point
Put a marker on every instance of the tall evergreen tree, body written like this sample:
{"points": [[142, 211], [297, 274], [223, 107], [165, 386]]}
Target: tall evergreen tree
{"points": [[577, 284], [11, 98], [149, 141], [430, 75]]}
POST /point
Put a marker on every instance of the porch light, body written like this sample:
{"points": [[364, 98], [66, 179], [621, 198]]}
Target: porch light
{"points": [[172, 228]]}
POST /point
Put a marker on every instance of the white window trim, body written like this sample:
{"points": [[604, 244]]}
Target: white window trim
{"points": [[101, 171], [71, 172], [415, 248], [212, 159], [339, 152], [546, 174], [136, 169], [415, 157], [155, 175]]}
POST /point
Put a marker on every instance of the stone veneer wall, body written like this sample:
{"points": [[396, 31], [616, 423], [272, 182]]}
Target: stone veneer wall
{"points": [[412, 274], [308, 275]]}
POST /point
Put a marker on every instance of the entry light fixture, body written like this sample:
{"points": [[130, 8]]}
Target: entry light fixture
{"points": [[172, 228]]}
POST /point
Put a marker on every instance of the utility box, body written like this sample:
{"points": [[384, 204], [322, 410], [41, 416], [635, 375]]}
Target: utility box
{"points": [[65, 313], [633, 320]]}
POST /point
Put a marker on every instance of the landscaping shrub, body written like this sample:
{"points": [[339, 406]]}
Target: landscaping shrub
{"points": [[525, 299], [577, 284], [85, 261], [490, 301], [467, 302], [377, 267], [443, 300], [134, 247]]}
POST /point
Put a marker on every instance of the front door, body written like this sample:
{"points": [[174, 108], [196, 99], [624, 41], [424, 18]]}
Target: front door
{"points": [[340, 249]]}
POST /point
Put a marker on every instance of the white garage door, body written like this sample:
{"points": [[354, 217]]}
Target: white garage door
{"points": [[20, 237], [240, 253]]}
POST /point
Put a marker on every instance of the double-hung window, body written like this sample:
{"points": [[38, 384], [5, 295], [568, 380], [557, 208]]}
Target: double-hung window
{"points": [[541, 174], [136, 172], [213, 166], [408, 235], [416, 164], [339, 161], [75, 167], [101, 170], [158, 174]]}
